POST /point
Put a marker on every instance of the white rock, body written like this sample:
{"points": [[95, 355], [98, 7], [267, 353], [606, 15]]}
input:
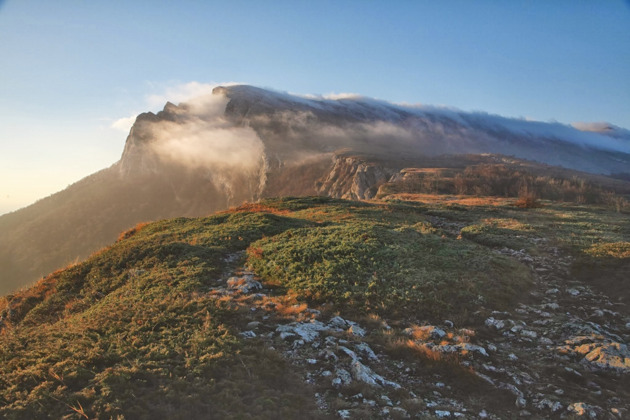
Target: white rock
{"points": [[357, 331], [529, 333], [366, 350], [495, 323], [365, 374], [344, 414], [285, 335], [349, 352], [400, 411], [442, 413], [248, 334], [309, 331], [386, 400], [245, 284], [338, 322]]}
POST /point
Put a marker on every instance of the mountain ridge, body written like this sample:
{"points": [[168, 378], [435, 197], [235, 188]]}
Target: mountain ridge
{"points": [[244, 143]]}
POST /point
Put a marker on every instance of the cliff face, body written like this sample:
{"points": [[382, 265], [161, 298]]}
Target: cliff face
{"points": [[354, 179]]}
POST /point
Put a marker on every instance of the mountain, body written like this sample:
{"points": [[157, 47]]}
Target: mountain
{"points": [[243, 143], [323, 308]]}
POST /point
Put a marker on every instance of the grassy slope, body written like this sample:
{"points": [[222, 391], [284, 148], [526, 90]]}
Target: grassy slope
{"points": [[133, 330]]}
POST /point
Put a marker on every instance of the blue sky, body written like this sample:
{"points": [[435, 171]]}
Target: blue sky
{"points": [[72, 68]]}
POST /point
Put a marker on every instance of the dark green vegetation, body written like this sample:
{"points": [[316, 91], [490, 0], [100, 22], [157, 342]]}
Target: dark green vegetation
{"points": [[386, 260], [133, 331]]}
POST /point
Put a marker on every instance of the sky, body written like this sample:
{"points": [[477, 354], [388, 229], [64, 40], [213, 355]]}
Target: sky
{"points": [[73, 73]]}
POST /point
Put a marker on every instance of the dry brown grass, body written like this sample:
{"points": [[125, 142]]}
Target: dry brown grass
{"points": [[255, 208], [129, 233], [464, 200], [528, 201]]}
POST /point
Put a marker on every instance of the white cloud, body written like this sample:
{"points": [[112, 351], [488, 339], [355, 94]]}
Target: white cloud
{"points": [[329, 96], [342, 95], [197, 95], [182, 92], [124, 124], [592, 126]]}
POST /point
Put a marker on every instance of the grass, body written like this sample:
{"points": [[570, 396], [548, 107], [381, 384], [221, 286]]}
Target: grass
{"points": [[131, 332], [134, 332]]}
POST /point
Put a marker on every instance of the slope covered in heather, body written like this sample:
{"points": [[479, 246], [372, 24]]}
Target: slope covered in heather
{"points": [[292, 307]]}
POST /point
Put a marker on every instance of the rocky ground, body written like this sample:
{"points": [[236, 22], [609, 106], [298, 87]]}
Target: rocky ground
{"points": [[561, 353]]}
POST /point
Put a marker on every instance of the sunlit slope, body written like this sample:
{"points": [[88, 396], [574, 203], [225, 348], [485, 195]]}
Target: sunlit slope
{"points": [[139, 330], [133, 330]]}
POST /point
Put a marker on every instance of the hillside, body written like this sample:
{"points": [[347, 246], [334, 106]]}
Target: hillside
{"points": [[243, 143], [323, 308]]}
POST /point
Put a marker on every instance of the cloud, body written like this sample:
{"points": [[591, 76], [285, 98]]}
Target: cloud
{"points": [[204, 140], [342, 95], [197, 95], [329, 96], [124, 124], [182, 92], [593, 126]]}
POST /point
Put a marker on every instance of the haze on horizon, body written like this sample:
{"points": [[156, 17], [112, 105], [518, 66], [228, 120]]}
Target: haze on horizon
{"points": [[76, 73]]}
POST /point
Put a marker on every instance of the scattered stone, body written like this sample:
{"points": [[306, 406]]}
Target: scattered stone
{"points": [[245, 284], [599, 352], [365, 374], [386, 400], [253, 325], [462, 348], [343, 376], [344, 414], [442, 413], [529, 334], [495, 323], [546, 404], [248, 334], [356, 331], [338, 322], [583, 409], [366, 350], [573, 292], [400, 412], [284, 335]]}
